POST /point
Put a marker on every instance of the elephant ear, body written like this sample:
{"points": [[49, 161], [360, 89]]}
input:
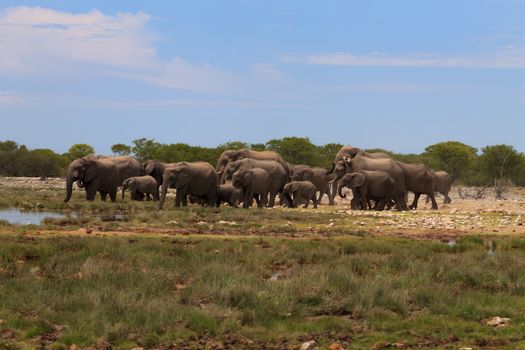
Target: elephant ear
{"points": [[356, 180], [92, 170], [184, 176], [148, 169]]}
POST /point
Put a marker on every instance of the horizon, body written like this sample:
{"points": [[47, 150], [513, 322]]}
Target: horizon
{"points": [[374, 75]]}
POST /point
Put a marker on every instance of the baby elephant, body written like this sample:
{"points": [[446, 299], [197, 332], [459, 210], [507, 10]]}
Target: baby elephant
{"points": [[228, 194], [368, 185], [301, 190], [254, 183], [141, 186], [225, 194]]}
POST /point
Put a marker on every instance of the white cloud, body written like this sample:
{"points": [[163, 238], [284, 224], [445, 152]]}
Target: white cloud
{"points": [[505, 58], [40, 41], [267, 71], [9, 97]]}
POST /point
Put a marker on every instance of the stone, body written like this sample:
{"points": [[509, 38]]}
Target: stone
{"points": [[336, 346], [309, 345], [498, 322], [173, 222]]}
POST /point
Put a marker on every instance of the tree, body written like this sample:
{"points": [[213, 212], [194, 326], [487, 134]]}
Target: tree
{"points": [[327, 153], [454, 157], [258, 146], [8, 146], [121, 149], [501, 161], [79, 150], [296, 150], [233, 145], [145, 149]]}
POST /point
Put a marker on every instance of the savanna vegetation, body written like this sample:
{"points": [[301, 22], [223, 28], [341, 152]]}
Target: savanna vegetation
{"points": [[257, 292], [466, 164]]}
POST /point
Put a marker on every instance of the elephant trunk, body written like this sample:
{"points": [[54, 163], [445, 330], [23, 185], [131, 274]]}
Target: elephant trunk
{"points": [[69, 188], [340, 190], [223, 177], [163, 194]]}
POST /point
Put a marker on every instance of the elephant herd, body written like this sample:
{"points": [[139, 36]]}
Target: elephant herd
{"points": [[261, 176]]}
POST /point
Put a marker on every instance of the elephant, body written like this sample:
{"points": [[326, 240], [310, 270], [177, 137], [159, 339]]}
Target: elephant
{"points": [[127, 166], [255, 184], [351, 152], [228, 194], [391, 167], [318, 176], [234, 155], [419, 180], [94, 174], [156, 169], [278, 175], [141, 186], [190, 178], [301, 191], [225, 193], [442, 184], [367, 185]]}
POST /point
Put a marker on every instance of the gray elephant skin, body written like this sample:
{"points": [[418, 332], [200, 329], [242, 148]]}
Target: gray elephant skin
{"points": [[318, 176], [391, 167], [190, 178], [278, 175], [442, 184], [234, 155], [127, 166], [156, 169], [255, 184], [368, 185], [140, 187], [419, 180], [94, 175], [301, 191]]}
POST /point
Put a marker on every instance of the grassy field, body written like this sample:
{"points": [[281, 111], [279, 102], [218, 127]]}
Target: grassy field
{"points": [[207, 278]]}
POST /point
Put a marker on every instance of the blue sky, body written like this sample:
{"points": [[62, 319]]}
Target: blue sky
{"points": [[399, 75]]}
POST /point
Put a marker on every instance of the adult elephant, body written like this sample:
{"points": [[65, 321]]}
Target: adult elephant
{"points": [[254, 184], [196, 178], [318, 176], [94, 175], [442, 184], [278, 175], [155, 168], [351, 152], [419, 180], [127, 166], [391, 167], [234, 155]]}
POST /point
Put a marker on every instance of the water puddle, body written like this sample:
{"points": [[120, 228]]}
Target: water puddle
{"points": [[15, 216], [21, 217]]}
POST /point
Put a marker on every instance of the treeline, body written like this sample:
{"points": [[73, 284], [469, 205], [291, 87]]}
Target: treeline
{"points": [[466, 164]]}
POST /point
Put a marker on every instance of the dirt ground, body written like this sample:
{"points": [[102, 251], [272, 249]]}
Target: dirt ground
{"points": [[486, 216]]}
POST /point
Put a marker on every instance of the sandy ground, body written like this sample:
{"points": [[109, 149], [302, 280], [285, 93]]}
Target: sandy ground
{"points": [[462, 216]]}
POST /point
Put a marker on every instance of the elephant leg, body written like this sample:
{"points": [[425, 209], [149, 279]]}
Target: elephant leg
{"points": [[416, 200], [248, 198], [264, 199], [103, 196], [315, 200], [258, 199], [91, 192], [434, 203], [156, 196], [113, 196], [271, 202]]}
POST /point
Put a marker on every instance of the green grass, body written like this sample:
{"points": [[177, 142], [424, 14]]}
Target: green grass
{"points": [[150, 292]]}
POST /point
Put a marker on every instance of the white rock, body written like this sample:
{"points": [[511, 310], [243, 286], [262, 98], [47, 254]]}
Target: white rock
{"points": [[309, 345]]}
